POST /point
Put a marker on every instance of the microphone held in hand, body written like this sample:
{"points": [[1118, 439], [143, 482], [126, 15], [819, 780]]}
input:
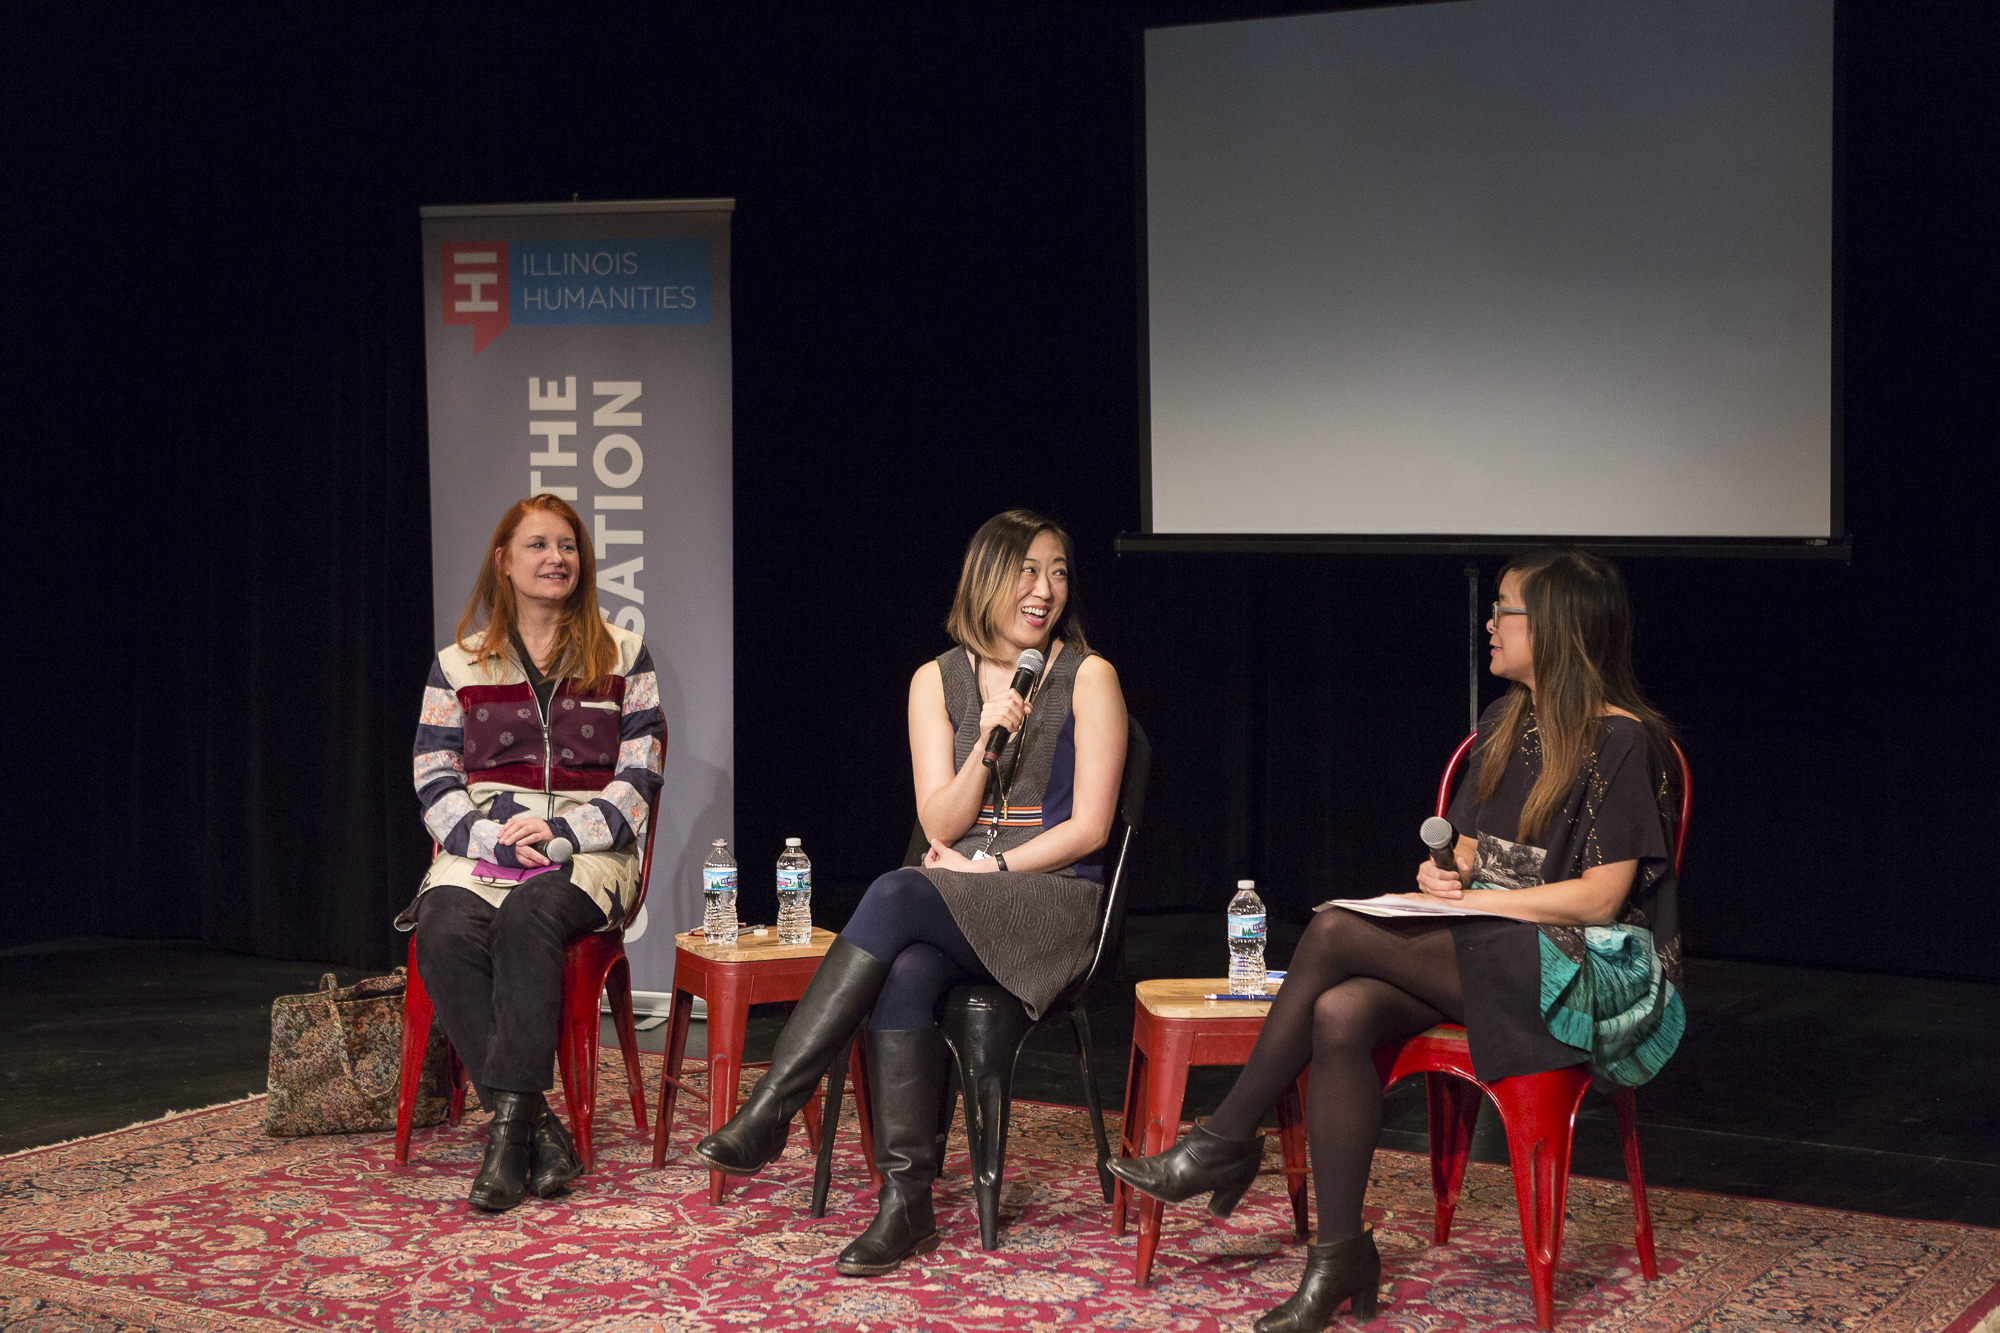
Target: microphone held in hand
{"points": [[1026, 668], [1442, 839], [558, 850]]}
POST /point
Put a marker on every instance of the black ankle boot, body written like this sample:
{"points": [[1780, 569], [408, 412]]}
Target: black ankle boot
{"points": [[503, 1176], [906, 1070], [554, 1156], [1197, 1164], [835, 1001], [1350, 1267]]}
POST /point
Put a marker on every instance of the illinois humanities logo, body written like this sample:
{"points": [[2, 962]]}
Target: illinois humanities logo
{"points": [[491, 285]]}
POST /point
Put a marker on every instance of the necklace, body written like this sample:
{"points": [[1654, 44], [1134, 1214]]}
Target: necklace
{"points": [[999, 785]]}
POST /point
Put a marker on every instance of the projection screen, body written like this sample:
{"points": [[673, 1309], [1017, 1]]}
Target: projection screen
{"points": [[1504, 267]]}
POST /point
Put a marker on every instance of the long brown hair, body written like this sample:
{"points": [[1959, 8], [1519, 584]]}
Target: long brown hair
{"points": [[986, 581], [1580, 616], [584, 648]]}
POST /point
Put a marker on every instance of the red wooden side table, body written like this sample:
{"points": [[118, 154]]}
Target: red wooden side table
{"points": [[1173, 1029], [757, 969]]}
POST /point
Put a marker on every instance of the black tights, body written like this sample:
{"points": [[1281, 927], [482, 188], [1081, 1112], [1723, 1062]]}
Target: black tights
{"points": [[903, 920], [1355, 983]]}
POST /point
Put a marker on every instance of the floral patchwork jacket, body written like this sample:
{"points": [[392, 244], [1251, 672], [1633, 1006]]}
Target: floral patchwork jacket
{"points": [[485, 753]]}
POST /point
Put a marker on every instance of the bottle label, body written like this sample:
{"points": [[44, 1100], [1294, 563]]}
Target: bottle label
{"points": [[718, 879], [1246, 927], [789, 879]]}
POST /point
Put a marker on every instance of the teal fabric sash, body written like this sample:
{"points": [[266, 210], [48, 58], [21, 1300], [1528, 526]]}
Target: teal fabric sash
{"points": [[1616, 1005]]}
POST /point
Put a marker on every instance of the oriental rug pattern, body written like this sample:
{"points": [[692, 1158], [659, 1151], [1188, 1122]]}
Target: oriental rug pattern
{"points": [[200, 1223]]}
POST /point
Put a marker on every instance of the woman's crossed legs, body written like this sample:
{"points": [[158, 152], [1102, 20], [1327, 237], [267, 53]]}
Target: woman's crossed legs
{"points": [[1354, 983]]}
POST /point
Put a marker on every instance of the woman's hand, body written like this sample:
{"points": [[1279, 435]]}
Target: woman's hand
{"points": [[1435, 883], [520, 833], [1009, 711], [943, 857]]}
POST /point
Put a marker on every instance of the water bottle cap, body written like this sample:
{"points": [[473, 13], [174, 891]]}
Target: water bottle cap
{"points": [[720, 842], [791, 842], [1246, 883]]}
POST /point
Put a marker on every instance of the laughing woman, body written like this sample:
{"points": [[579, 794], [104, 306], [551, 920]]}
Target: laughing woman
{"points": [[1008, 892], [540, 722], [1575, 958]]}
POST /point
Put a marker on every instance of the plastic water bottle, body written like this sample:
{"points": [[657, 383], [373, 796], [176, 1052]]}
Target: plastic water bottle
{"points": [[1246, 940], [795, 895], [718, 893]]}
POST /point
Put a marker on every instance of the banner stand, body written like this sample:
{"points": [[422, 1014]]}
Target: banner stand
{"points": [[583, 350]]}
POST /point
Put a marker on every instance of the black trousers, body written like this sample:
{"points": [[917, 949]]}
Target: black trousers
{"points": [[495, 975]]}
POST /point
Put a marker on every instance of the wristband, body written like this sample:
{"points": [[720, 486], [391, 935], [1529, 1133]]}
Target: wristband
{"points": [[1000, 859]]}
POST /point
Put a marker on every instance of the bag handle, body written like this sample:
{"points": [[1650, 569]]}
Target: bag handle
{"points": [[328, 984]]}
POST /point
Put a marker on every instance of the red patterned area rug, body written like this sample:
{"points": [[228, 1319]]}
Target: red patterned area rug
{"points": [[201, 1223]]}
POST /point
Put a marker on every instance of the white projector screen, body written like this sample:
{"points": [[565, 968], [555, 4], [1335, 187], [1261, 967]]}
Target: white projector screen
{"points": [[1508, 267]]}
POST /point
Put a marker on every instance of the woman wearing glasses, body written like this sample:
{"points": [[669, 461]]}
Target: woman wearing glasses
{"points": [[1565, 848]]}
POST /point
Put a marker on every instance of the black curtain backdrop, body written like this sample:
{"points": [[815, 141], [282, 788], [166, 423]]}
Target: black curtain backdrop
{"points": [[214, 371]]}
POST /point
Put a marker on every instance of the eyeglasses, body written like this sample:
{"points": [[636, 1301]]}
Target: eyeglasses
{"points": [[1499, 611]]}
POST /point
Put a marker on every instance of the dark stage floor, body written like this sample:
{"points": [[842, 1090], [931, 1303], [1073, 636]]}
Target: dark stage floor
{"points": [[1840, 1089]]}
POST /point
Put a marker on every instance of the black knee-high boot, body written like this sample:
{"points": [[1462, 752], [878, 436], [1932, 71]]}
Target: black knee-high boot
{"points": [[906, 1071], [836, 1000]]}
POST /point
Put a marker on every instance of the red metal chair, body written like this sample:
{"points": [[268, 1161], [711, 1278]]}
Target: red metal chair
{"points": [[1538, 1112], [593, 965]]}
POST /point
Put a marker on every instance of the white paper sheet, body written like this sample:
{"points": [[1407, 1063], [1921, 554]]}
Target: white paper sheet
{"points": [[1389, 905]]}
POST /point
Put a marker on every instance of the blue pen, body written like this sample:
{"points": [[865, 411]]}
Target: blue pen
{"points": [[1235, 997]]}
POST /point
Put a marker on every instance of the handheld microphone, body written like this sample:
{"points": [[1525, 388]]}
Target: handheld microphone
{"points": [[558, 850], [1442, 839], [1026, 668]]}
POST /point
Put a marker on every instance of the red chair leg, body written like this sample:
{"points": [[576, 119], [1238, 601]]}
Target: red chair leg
{"points": [[728, 1013], [1627, 1107], [679, 1016], [864, 1109], [1129, 1129], [576, 1053], [1453, 1108], [618, 990], [1292, 1148], [1166, 1087], [1539, 1113], [416, 1038]]}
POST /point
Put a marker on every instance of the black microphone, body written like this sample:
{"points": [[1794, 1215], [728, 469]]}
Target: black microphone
{"points": [[1026, 668], [1442, 839]]}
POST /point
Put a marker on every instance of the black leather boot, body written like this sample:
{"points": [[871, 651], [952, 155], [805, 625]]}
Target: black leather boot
{"points": [[554, 1156], [1350, 1267], [838, 997], [1197, 1164], [905, 1072], [503, 1176]]}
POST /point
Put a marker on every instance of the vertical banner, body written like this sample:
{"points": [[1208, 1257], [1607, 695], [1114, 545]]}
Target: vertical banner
{"points": [[583, 350]]}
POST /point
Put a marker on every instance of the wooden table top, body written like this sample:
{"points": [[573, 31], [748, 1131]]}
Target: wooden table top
{"points": [[1180, 997], [754, 948]]}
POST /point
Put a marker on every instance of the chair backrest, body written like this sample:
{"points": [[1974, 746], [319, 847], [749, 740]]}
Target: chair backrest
{"points": [[1131, 810], [1457, 761]]}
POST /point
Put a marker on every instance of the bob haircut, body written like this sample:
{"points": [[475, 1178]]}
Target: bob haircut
{"points": [[585, 650], [1580, 617], [987, 580]]}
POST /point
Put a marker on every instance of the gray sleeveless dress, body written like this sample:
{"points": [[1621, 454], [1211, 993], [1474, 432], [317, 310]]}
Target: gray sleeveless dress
{"points": [[1035, 932]]}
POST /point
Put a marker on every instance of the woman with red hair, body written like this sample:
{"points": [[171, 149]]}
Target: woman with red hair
{"points": [[541, 724]]}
